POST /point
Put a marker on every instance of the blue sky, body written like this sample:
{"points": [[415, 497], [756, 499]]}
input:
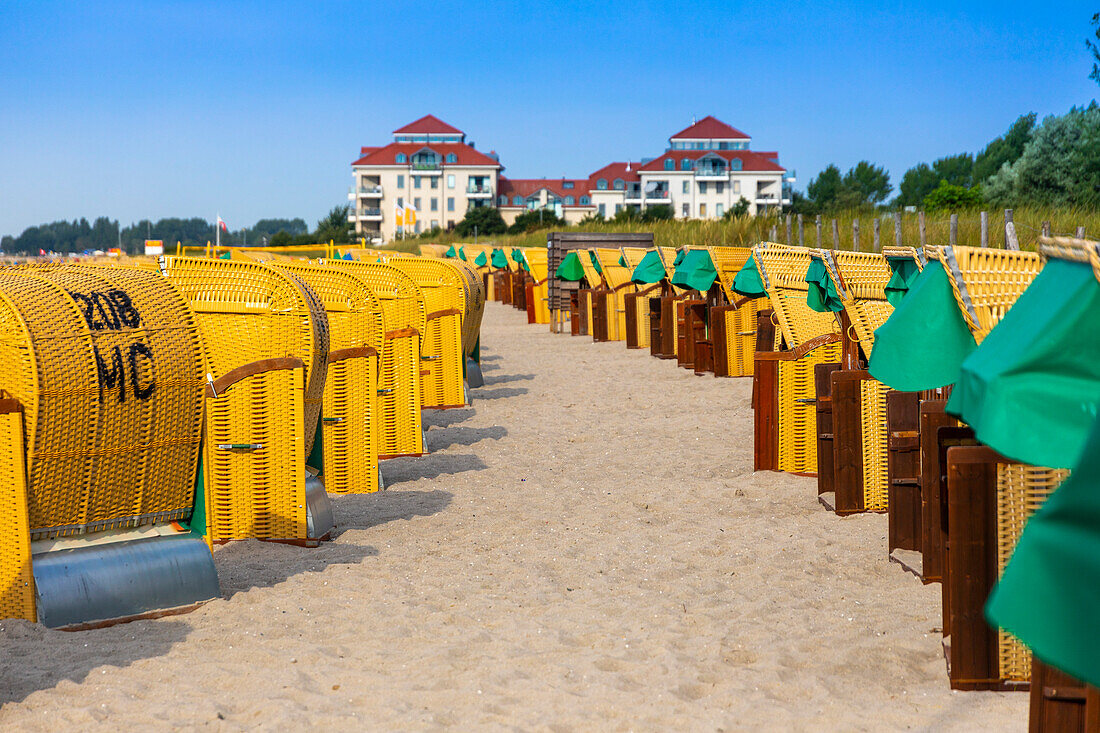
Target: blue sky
{"points": [[254, 110]]}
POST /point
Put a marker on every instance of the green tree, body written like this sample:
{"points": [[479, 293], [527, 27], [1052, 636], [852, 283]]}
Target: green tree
{"points": [[739, 209], [864, 184], [487, 220], [335, 226], [957, 170], [918, 182], [657, 212], [1005, 149], [534, 219], [825, 189], [949, 197], [1094, 48]]}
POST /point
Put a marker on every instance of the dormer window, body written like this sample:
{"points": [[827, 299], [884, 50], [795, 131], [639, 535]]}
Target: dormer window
{"points": [[735, 164], [567, 184], [685, 164], [601, 184], [568, 200], [401, 158], [618, 184], [452, 158], [517, 201], [670, 164], [585, 201]]}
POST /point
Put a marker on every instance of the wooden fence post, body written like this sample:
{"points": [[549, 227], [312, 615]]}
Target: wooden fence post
{"points": [[801, 241], [1080, 233], [788, 229], [985, 228], [1046, 228], [855, 235], [875, 225], [775, 235], [1010, 232], [920, 228], [897, 228], [817, 225], [836, 235], [953, 235]]}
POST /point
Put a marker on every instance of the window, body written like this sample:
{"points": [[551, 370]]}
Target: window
{"points": [[416, 181], [401, 201], [686, 188], [400, 158], [435, 223], [670, 164], [618, 184], [567, 184], [685, 164], [517, 201], [568, 200], [400, 181], [416, 227], [602, 208], [585, 201], [702, 211], [618, 208], [434, 204], [435, 182], [718, 210], [416, 204], [702, 187], [601, 184], [686, 211], [737, 186], [735, 164], [450, 203], [502, 200], [450, 180], [452, 158], [719, 187]]}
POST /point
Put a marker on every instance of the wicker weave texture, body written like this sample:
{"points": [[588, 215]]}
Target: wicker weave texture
{"points": [[741, 339], [107, 364], [797, 412], [16, 579], [1021, 489], [256, 491], [873, 432], [728, 261], [784, 269], [350, 426]]}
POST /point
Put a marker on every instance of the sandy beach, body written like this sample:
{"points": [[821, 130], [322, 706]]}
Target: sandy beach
{"points": [[586, 548]]}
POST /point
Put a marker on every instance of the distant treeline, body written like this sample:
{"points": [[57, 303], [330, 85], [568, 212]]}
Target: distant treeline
{"points": [[80, 235]]}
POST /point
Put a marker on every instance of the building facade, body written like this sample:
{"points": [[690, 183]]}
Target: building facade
{"points": [[706, 169]]}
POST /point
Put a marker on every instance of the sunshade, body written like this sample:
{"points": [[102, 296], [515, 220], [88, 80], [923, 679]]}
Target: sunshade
{"points": [[695, 271], [747, 281], [650, 270], [1031, 390], [481, 260], [450, 252], [500, 260], [923, 343]]}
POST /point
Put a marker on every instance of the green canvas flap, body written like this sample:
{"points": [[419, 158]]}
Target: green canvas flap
{"points": [[695, 271], [925, 340], [678, 259], [481, 260], [821, 294], [623, 262], [1047, 597], [517, 255], [499, 260], [462, 254], [1039, 368], [595, 261], [650, 270], [570, 269], [450, 252], [747, 281], [904, 271]]}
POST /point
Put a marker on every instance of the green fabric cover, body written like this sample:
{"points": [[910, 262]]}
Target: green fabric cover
{"points": [[595, 261], [904, 272], [500, 260], [1031, 390], [523, 263], [1049, 596], [747, 281], [678, 259], [623, 262], [462, 254], [517, 255], [650, 270], [570, 268], [481, 260], [821, 294], [695, 271], [450, 252], [923, 343], [226, 256]]}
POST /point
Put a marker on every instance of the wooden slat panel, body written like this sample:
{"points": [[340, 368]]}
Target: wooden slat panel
{"points": [[823, 387], [903, 460], [847, 440]]}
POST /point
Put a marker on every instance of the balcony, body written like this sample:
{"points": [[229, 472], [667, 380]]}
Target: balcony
{"points": [[479, 191], [711, 173], [766, 199], [633, 194], [660, 196], [370, 214], [370, 192], [425, 168]]}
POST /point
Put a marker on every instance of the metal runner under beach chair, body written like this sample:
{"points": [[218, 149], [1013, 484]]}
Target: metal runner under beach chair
{"points": [[399, 382], [345, 448], [100, 431], [785, 430], [265, 341]]}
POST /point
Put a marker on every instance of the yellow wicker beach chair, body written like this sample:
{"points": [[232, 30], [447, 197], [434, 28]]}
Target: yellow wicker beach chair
{"points": [[399, 384], [617, 279], [785, 434], [100, 431], [442, 359], [538, 285], [265, 341], [346, 448], [734, 323], [586, 302]]}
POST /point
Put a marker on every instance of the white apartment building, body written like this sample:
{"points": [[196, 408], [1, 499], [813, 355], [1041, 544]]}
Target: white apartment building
{"points": [[706, 169], [430, 167]]}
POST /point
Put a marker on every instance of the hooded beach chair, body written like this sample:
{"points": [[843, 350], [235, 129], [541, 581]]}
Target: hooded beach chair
{"points": [[635, 302], [345, 448], [733, 324], [974, 512], [571, 270], [100, 432], [616, 272], [534, 263], [265, 342], [658, 306], [471, 321], [591, 300], [405, 315], [791, 340]]}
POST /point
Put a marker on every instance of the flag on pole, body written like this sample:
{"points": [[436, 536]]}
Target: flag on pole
{"points": [[410, 215], [398, 215], [221, 225]]}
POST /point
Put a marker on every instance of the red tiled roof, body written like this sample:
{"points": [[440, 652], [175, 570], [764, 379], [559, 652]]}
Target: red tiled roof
{"points": [[611, 171], [525, 187], [709, 128], [465, 155], [751, 160], [428, 124], [367, 150]]}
